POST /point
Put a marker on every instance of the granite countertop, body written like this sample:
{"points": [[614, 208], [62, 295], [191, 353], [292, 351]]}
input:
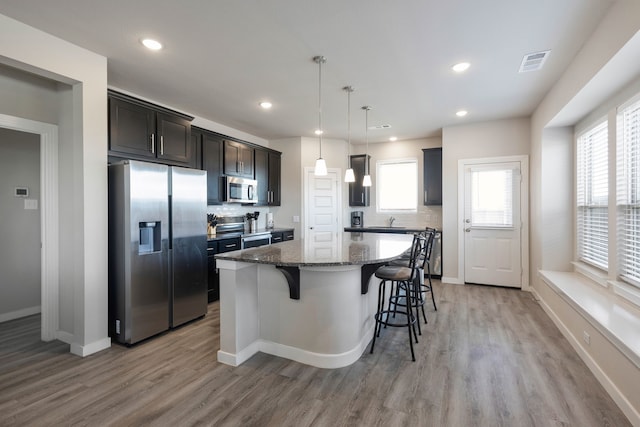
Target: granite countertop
{"points": [[345, 249], [385, 229], [220, 236]]}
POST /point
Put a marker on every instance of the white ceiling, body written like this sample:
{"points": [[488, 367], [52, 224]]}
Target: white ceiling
{"points": [[222, 57]]}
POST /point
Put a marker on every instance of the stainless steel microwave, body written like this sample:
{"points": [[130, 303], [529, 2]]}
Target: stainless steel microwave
{"points": [[240, 190]]}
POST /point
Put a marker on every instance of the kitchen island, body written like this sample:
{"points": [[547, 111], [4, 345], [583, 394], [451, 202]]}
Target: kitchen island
{"points": [[304, 300]]}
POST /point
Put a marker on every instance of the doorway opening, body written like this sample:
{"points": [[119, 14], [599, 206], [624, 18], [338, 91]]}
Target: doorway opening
{"points": [[48, 205]]}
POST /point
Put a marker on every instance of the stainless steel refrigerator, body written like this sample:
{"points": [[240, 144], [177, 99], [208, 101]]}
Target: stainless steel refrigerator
{"points": [[157, 248]]}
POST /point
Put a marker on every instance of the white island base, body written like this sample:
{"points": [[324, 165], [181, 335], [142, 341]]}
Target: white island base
{"points": [[328, 327]]}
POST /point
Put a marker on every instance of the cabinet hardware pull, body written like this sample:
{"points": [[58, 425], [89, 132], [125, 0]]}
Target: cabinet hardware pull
{"points": [[361, 197], [425, 196], [162, 145], [153, 144], [233, 245]]}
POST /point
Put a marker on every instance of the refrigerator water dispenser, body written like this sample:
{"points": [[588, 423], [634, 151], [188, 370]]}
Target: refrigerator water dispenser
{"points": [[150, 236]]}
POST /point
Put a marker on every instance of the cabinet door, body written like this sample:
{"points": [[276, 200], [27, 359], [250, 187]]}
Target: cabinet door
{"points": [[358, 194], [196, 149], [276, 237], [238, 159], [131, 129], [287, 235], [432, 176], [213, 280], [212, 163], [274, 178], [174, 138], [262, 176]]}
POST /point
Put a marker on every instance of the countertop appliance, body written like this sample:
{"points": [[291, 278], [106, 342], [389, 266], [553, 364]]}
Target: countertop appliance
{"points": [[234, 226], [157, 248], [240, 190], [357, 219]]}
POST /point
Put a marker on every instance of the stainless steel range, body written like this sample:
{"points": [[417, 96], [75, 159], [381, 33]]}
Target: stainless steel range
{"points": [[234, 226]]}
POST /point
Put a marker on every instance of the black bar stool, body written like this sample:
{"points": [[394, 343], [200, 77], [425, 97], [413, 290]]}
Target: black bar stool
{"points": [[403, 288], [422, 265]]}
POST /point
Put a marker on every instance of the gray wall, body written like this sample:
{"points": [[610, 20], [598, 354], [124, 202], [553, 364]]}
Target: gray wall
{"points": [[19, 228]]}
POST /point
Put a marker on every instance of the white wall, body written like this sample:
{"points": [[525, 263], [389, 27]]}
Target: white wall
{"points": [[607, 62], [19, 227], [291, 184], [85, 147], [498, 138]]}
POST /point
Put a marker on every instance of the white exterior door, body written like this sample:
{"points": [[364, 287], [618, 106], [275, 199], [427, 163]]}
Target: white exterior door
{"points": [[492, 224], [322, 218]]}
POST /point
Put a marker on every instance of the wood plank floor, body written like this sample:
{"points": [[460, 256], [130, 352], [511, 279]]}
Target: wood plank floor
{"points": [[488, 357]]}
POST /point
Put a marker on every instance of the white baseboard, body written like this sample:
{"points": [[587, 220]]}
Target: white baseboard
{"points": [[5, 317], [327, 361], [65, 337], [94, 347], [452, 280], [632, 414]]}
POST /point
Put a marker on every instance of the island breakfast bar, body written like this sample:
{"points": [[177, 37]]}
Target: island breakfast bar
{"points": [[303, 300]]}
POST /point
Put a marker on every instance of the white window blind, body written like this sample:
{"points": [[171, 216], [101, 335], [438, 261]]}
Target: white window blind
{"points": [[492, 198], [628, 193], [397, 185], [592, 196]]}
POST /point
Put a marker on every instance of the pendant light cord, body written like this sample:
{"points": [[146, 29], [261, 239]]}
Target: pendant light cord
{"points": [[320, 60], [366, 138]]}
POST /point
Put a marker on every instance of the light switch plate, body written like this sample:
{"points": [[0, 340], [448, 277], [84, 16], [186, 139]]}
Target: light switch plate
{"points": [[30, 204]]}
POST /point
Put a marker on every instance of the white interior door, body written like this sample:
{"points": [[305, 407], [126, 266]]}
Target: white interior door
{"points": [[493, 225], [323, 208]]}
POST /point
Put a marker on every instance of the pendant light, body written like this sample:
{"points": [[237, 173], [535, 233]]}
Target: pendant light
{"points": [[349, 176], [366, 181], [321, 166]]}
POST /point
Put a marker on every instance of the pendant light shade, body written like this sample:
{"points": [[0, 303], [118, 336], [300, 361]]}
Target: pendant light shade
{"points": [[321, 165], [366, 181], [349, 176]]}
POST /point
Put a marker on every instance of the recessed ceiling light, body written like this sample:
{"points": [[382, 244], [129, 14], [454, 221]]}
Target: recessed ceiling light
{"points": [[151, 44], [318, 132], [461, 67], [461, 113], [393, 138], [266, 105]]}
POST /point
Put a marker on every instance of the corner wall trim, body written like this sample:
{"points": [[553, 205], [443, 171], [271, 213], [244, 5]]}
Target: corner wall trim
{"points": [[88, 349]]}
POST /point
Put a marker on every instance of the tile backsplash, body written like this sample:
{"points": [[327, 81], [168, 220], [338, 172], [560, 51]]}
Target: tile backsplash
{"points": [[234, 209], [427, 216]]}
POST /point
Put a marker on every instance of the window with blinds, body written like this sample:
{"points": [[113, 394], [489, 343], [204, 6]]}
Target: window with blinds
{"points": [[492, 198], [592, 193], [628, 192]]}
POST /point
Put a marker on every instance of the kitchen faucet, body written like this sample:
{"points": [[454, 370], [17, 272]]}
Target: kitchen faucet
{"points": [[391, 219]]}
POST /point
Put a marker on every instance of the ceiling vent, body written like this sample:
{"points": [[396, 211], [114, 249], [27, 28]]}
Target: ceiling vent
{"points": [[378, 127], [534, 61]]}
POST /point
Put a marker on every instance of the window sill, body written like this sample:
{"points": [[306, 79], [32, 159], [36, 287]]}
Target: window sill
{"points": [[616, 319]]}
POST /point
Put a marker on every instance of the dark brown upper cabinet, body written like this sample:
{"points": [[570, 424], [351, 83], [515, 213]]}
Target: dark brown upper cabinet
{"points": [[141, 131], [358, 194], [432, 176], [267, 173], [211, 144], [238, 159]]}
